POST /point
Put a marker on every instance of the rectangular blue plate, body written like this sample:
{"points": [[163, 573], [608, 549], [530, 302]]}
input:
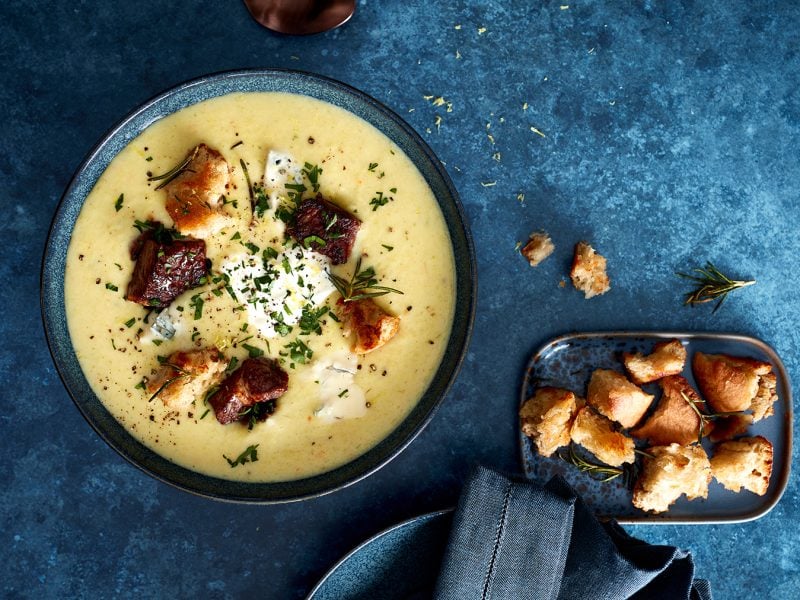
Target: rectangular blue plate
{"points": [[568, 362]]}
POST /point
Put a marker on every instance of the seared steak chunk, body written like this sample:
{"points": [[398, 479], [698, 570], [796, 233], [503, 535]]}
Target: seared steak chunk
{"points": [[258, 380], [165, 267], [325, 228]]}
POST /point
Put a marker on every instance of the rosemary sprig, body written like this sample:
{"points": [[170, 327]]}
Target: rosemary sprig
{"points": [[181, 374], [706, 418], [362, 284], [597, 471], [174, 171], [711, 285]]}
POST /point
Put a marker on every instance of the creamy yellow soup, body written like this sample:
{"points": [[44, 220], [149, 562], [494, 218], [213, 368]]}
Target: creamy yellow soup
{"points": [[405, 239]]}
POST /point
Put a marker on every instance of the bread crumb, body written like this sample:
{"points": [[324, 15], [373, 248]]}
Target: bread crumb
{"points": [[672, 471], [668, 358], [744, 463], [674, 420], [547, 417], [539, 247], [617, 398], [597, 434], [588, 272]]}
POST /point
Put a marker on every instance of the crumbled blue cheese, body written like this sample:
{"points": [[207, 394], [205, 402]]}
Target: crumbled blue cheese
{"points": [[275, 290], [340, 397]]}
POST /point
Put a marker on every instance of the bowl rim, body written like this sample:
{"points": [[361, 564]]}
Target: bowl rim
{"points": [[52, 301]]}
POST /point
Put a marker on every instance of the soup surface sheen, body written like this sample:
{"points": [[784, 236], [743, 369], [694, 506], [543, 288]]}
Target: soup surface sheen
{"points": [[316, 427]]}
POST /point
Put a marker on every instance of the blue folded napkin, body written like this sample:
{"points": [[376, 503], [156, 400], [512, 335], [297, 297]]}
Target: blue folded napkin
{"points": [[517, 539]]}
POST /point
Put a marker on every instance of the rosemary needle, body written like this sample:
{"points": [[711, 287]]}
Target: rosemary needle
{"points": [[597, 471], [711, 285]]}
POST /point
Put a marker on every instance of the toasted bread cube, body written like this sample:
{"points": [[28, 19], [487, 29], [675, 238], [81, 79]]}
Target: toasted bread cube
{"points": [[546, 418], [726, 428], [195, 196], [588, 271], [673, 471], [539, 247], [743, 463], [597, 434], [766, 397], [729, 383], [674, 421], [186, 376], [617, 398], [668, 358], [371, 326]]}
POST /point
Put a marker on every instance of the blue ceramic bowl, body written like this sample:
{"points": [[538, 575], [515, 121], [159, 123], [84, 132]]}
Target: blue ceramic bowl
{"points": [[54, 263]]}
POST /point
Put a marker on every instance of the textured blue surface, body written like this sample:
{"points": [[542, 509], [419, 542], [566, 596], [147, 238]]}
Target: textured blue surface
{"points": [[671, 133]]}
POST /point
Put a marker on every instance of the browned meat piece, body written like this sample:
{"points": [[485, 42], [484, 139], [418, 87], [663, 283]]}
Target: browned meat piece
{"points": [[325, 228], [165, 267], [185, 376], [258, 380], [372, 325], [194, 197]]}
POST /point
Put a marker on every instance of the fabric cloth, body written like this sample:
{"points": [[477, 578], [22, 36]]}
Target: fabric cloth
{"points": [[517, 539]]}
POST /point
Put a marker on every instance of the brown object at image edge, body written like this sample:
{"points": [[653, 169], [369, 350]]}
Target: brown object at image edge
{"points": [[301, 17]]}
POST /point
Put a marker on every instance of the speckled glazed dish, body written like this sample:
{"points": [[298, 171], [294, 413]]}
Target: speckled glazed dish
{"points": [[400, 563], [568, 362], [54, 264]]}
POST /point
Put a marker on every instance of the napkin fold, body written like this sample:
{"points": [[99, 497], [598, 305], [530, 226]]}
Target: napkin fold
{"points": [[517, 539]]}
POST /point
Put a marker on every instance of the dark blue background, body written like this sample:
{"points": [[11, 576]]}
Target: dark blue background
{"points": [[670, 139]]}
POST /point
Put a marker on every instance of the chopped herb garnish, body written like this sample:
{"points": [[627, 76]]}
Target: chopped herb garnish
{"points": [[252, 247], [203, 416], [286, 266], [299, 351], [262, 200], [239, 143], [236, 236], [270, 252], [118, 203], [161, 234], [197, 303], [112, 287], [389, 248], [130, 322], [343, 393], [312, 172], [372, 167], [362, 284], [157, 342], [249, 455], [232, 365], [253, 351], [139, 386], [313, 239], [310, 319], [149, 159], [380, 200]]}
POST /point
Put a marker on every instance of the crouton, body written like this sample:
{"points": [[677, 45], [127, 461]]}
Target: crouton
{"points": [[195, 197], [617, 398], [668, 358], [588, 271], [546, 418], [673, 471], [674, 420], [371, 326], [743, 463], [767, 395], [186, 376], [539, 247], [597, 434], [726, 428], [728, 383]]}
